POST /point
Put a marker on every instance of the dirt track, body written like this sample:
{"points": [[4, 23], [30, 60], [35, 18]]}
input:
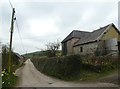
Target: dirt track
{"points": [[29, 76]]}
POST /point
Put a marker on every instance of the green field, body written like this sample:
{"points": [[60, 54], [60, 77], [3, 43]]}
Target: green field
{"points": [[39, 54]]}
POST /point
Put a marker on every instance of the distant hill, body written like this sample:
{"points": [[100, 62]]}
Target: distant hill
{"points": [[39, 54]]}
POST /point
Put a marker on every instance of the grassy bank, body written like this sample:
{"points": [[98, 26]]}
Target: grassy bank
{"points": [[91, 76]]}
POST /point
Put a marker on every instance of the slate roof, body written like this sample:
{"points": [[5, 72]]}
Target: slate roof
{"points": [[75, 34], [86, 37], [93, 36]]}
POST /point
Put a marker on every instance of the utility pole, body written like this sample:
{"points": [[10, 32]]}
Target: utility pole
{"points": [[11, 34]]}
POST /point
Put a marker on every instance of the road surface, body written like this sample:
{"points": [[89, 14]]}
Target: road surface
{"points": [[29, 76]]}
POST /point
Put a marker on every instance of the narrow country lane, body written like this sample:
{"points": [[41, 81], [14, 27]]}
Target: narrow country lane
{"points": [[29, 76]]}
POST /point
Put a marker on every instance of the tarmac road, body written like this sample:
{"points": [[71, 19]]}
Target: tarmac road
{"points": [[29, 76]]}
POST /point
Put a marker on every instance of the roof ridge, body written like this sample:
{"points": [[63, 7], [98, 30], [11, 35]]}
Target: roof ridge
{"points": [[80, 31], [101, 28], [107, 27]]}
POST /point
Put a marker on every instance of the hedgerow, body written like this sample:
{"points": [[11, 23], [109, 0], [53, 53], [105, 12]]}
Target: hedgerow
{"points": [[61, 67]]}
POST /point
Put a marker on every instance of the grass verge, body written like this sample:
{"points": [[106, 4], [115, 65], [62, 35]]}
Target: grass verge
{"points": [[89, 76]]}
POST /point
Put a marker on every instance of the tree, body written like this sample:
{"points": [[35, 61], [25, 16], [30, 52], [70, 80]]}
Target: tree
{"points": [[5, 57], [52, 48], [5, 53]]}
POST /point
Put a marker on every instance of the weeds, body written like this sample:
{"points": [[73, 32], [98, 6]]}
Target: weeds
{"points": [[8, 79]]}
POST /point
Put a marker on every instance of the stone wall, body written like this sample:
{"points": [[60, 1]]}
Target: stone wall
{"points": [[70, 44], [89, 48]]}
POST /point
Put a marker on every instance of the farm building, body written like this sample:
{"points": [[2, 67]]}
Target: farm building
{"points": [[105, 40]]}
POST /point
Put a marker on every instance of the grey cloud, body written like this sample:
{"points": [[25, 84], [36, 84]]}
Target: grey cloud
{"points": [[67, 16]]}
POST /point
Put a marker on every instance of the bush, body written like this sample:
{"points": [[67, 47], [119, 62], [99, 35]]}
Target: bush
{"points": [[60, 67]]}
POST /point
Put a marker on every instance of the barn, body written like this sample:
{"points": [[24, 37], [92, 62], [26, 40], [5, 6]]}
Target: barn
{"points": [[105, 40]]}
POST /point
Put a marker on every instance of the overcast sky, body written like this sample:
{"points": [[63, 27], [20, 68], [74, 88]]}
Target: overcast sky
{"points": [[41, 22]]}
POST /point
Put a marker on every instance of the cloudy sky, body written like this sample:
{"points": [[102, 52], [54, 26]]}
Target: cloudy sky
{"points": [[41, 21]]}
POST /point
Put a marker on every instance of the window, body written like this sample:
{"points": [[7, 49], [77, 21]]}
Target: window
{"points": [[81, 49]]}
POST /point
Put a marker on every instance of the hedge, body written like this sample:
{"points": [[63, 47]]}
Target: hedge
{"points": [[60, 67]]}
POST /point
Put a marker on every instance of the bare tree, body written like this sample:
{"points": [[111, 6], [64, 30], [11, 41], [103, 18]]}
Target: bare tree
{"points": [[52, 48]]}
